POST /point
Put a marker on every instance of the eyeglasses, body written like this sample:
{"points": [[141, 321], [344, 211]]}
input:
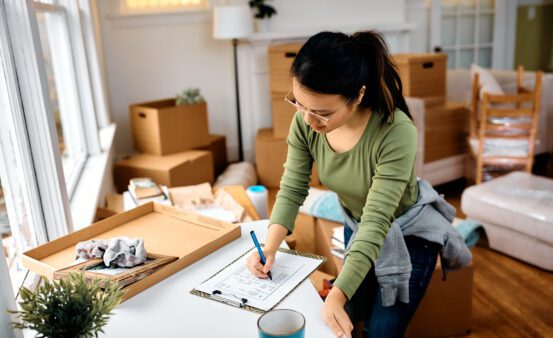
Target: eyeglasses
{"points": [[304, 110]]}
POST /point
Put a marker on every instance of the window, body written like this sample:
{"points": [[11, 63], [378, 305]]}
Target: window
{"points": [[62, 87], [49, 107], [466, 31], [156, 6]]}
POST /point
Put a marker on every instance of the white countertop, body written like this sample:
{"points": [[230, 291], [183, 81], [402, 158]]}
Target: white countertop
{"points": [[167, 309]]}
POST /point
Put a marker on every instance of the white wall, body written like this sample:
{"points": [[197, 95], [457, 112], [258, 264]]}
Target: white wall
{"points": [[149, 58]]}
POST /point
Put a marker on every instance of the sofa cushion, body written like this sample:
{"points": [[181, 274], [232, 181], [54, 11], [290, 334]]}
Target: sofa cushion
{"points": [[488, 83], [519, 201]]}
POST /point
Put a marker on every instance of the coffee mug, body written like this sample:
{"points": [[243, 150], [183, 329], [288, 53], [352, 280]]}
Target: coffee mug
{"points": [[281, 323]]}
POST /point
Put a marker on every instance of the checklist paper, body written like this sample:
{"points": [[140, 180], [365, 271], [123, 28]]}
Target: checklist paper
{"points": [[236, 284]]}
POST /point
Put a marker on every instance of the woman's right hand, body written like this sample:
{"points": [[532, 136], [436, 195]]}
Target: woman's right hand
{"points": [[254, 263]]}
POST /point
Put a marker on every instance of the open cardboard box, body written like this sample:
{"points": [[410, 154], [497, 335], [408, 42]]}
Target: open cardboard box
{"points": [[165, 230]]}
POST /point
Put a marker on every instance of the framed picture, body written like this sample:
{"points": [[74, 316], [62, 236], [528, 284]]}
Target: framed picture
{"points": [[96, 269]]}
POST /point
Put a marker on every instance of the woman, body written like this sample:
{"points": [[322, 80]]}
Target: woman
{"points": [[353, 122]]}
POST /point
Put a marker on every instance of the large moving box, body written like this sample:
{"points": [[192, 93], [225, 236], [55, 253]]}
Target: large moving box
{"points": [[446, 128], [161, 128], [180, 169], [423, 76], [165, 230], [270, 156], [218, 148], [280, 61], [446, 308], [283, 114]]}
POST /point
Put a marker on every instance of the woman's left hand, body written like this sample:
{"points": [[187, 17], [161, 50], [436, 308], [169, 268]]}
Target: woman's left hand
{"points": [[334, 314]]}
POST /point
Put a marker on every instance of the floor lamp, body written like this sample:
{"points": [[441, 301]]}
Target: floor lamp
{"points": [[233, 23]]}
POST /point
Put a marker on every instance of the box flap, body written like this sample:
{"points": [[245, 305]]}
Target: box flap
{"points": [[167, 162], [156, 104]]}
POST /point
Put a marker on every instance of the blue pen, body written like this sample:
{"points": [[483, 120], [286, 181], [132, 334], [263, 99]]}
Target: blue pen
{"points": [[263, 261]]}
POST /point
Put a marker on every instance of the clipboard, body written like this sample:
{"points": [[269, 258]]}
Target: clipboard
{"points": [[241, 301]]}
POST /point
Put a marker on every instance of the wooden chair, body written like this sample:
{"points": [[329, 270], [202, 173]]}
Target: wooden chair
{"points": [[503, 127]]}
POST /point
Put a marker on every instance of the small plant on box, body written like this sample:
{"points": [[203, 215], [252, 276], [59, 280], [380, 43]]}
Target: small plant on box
{"points": [[71, 307], [263, 10], [189, 96]]}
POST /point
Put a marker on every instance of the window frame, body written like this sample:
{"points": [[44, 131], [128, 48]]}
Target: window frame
{"points": [[33, 122], [496, 45], [29, 136]]}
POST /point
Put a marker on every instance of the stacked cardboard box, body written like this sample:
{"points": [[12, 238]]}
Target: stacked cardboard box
{"points": [[423, 75], [446, 128], [280, 61], [445, 123], [175, 144], [270, 156]]}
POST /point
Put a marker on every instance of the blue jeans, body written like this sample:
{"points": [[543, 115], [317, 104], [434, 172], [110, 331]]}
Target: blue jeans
{"points": [[392, 321]]}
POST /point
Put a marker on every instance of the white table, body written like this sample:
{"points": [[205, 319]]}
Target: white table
{"points": [[167, 309]]}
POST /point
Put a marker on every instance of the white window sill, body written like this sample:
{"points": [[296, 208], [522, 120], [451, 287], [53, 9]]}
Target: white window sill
{"points": [[92, 184]]}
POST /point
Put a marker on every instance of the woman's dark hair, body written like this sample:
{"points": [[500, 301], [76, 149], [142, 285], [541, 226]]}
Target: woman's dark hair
{"points": [[336, 63]]}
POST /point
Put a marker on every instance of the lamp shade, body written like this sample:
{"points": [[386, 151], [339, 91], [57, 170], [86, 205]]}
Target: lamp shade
{"points": [[232, 22]]}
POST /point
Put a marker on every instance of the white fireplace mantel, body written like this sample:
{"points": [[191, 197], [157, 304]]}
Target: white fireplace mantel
{"points": [[253, 71]]}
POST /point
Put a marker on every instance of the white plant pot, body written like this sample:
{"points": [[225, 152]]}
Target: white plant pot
{"points": [[262, 25]]}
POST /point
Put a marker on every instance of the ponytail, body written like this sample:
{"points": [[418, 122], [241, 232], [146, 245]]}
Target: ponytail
{"points": [[335, 63]]}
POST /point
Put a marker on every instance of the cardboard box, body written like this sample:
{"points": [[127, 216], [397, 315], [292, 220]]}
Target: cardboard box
{"points": [[318, 277], [283, 114], [161, 128], [165, 230], [270, 156], [180, 169], [114, 202], [218, 148], [446, 128], [281, 58], [446, 308], [423, 76], [304, 233], [323, 246]]}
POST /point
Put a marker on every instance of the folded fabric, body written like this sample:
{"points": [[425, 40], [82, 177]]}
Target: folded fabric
{"points": [[501, 147], [323, 204], [470, 231], [121, 252]]}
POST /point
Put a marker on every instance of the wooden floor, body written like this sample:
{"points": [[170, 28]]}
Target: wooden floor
{"points": [[510, 298]]}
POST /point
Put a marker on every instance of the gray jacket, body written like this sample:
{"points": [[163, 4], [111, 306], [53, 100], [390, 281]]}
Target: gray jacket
{"points": [[429, 218]]}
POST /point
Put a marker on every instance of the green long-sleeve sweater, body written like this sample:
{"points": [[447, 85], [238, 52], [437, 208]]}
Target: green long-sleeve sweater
{"points": [[375, 181]]}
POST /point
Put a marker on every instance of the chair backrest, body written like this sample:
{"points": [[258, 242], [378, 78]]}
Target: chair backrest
{"points": [[506, 116]]}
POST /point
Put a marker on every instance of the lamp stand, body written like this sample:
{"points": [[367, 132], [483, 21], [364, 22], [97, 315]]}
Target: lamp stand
{"points": [[238, 119]]}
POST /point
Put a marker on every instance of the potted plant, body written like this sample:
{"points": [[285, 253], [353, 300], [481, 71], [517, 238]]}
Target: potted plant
{"points": [[71, 307], [263, 13], [189, 96]]}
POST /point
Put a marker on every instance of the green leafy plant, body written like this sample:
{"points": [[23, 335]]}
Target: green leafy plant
{"points": [[263, 10], [72, 307], [189, 96]]}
